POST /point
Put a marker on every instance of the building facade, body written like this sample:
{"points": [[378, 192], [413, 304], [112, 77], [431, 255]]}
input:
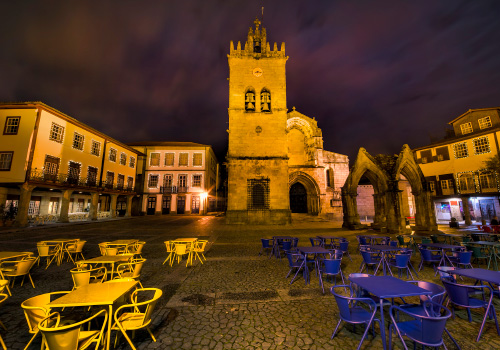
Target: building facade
{"points": [[52, 164], [176, 177], [275, 161], [455, 168]]}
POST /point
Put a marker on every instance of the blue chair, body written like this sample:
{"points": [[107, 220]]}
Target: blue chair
{"points": [[294, 262], [344, 246], [437, 296], [361, 240], [446, 272], [369, 259], [335, 253], [316, 242], [401, 261], [266, 245], [295, 242], [330, 267], [426, 330], [429, 256], [350, 312], [286, 247], [463, 259], [462, 295]]}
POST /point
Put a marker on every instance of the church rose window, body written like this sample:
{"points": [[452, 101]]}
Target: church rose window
{"points": [[258, 193]]}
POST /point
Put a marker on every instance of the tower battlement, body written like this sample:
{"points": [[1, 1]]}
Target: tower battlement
{"points": [[256, 45]]}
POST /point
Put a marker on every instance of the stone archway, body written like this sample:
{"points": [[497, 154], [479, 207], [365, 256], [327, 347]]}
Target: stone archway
{"points": [[299, 181], [298, 198]]}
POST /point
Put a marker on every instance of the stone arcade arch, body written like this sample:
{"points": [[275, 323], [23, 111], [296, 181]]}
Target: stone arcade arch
{"points": [[384, 173], [311, 187]]}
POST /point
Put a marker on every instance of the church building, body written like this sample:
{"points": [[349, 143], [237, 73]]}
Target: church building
{"points": [[276, 162]]}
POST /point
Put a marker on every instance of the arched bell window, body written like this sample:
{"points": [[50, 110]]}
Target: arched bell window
{"points": [[250, 100], [265, 100]]}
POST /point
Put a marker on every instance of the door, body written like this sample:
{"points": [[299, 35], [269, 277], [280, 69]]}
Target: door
{"points": [[195, 205], [165, 205], [51, 168], [181, 205], [73, 173], [298, 198], [151, 206]]}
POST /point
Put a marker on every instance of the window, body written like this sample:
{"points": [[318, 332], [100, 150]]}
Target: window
{"points": [[466, 182], [73, 172], [424, 160], [265, 100], [444, 184], [182, 183], [484, 122], [5, 160], [130, 183], [123, 159], [169, 159], [250, 100], [487, 181], [153, 181], [197, 159], [11, 125], [196, 180], [96, 148], [53, 205], [329, 178], [466, 128], [132, 162], [481, 145], [91, 176], [78, 141], [183, 159], [120, 181], [460, 150], [56, 133], [439, 157], [167, 180], [112, 154], [34, 207], [258, 193], [442, 153], [51, 168], [432, 186], [155, 159], [110, 179]]}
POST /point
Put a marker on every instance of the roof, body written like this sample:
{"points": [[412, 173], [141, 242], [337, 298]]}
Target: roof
{"points": [[472, 110], [39, 104], [167, 144], [451, 140]]}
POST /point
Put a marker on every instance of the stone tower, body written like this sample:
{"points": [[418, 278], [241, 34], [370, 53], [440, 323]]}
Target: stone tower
{"points": [[257, 159]]}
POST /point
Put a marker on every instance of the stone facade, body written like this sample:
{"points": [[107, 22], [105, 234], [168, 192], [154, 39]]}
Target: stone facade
{"points": [[271, 152]]}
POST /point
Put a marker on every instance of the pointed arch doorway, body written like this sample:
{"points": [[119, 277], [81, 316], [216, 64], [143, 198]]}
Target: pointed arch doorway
{"points": [[298, 198]]}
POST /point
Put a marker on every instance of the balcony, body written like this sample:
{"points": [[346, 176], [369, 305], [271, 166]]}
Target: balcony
{"points": [[182, 189]]}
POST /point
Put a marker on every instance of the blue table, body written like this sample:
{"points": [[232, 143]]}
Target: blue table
{"points": [[384, 249], [332, 239], [313, 251], [480, 275], [276, 244], [388, 287], [443, 247]]}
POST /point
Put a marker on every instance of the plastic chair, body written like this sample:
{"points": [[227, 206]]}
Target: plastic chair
{"points": [[180, 251], [3, 297], [131, 269], [4, 284], [369, 259], [199, 249], [266, 245], [171, 252], [139, 316], [487, 229], [426, 330], [463, 259], [50, 252], [434, 239], [102, 247], [401, 262], [136, 249], [82, 277], [71, 336], [437, 296], [344, 246], [429, 256], [295, 242], [426, 240], [14, 268], [316, 241], [460, 295], [402, 242], [75, 248], [335, 254], [330, 267], [479, 253], [445, 272], [350, 312], [111, 251], [36, 309], [294, 262]]}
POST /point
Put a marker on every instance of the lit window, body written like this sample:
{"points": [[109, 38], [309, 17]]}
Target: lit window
{"points": [[487, 181], [132, 162], [56, 133], [130, 183], [197, 159], [167, 180], [466, 128], [120, 181], [481, 145], [183, 159], [11, 125], [6, 160], [78, 141], [112, 154], [155, 159], [123, 159], [96, 148], [169, 159], [461, 150], [91, 176], [110, 179], [444, 184], [153, 181], [484, 122], [182, 181], [196, 180], [466, 182]]}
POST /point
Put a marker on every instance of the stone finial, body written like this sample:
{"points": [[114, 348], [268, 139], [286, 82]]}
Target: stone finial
{"points": [[257, 24]]}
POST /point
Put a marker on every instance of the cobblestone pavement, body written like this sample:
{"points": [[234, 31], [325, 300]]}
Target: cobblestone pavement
{"points": [[235, 300]]}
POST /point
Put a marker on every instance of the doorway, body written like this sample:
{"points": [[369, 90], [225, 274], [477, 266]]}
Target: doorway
{"points": [[181, 205], [195, 205], [165, 206], [151, 206], [298, 198]]}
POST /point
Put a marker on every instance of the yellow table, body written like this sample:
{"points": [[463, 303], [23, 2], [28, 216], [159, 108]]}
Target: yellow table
{"points": [[190, 242], [95, 294], [60, 242], [125, 243], [13, 255], [107, 259]]}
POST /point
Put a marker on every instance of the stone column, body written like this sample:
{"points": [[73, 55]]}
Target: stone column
{"points": [[24, 204], [94, 201], [128, 211], [465, 205], [351, 217], [379, 217], [112, 209], [66, 195]]}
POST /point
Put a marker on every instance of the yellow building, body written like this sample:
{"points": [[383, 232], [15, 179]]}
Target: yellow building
{"points": [[275, 161], [455, 169], [53, 165], [177, 177]]}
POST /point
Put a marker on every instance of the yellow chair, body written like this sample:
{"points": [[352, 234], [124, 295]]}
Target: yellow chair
{"points": [[36, 309], [131, 269], [4, 284], [82, 277], [111, 251], [3, 297], [75, 248], [171, 252], [199, 249], [47, 251], [136, 249], [14, 268], [181, 249], [71, 336], [139, 315], [102, 247]]}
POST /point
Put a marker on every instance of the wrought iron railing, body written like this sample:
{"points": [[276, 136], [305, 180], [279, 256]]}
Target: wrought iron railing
{"points": [[168, 189]]}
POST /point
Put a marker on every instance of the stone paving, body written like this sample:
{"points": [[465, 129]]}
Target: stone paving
{"points": [[235, 300]]}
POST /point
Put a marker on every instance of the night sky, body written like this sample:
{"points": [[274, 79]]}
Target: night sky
{"points": [[374, 74]]}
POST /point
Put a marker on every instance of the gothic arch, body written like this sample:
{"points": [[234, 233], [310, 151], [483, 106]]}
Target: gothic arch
{"points": [[312, 189], [250, 99]]}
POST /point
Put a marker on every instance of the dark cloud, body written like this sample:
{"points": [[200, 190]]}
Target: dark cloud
{"points": [[376, 74]]}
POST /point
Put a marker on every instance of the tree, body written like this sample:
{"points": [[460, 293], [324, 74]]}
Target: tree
{"points": [[493, 164]]}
